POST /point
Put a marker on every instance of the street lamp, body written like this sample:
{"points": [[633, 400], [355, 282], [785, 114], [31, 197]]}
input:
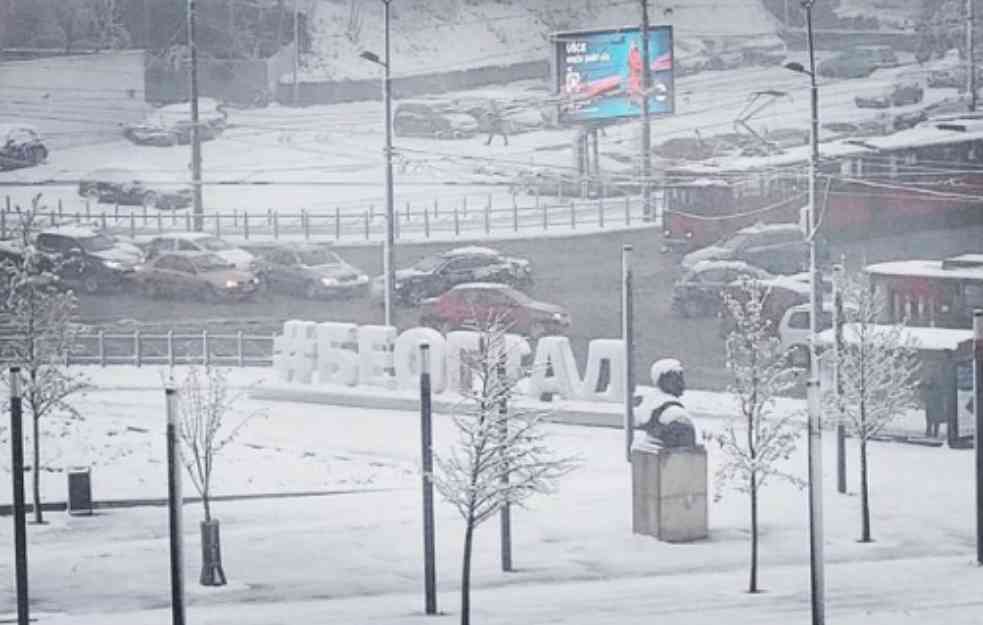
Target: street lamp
{"points": [[388, 261], [815, 417]]}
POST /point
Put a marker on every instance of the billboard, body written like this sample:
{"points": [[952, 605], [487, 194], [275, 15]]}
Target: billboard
{"points": [[599, 74]]}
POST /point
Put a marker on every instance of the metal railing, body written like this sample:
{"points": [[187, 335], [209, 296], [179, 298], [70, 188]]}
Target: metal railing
{"points": [[414, 221], [139, 348]]}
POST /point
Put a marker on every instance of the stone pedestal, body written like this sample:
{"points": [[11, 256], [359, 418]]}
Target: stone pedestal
{"points": [[669, 493]]}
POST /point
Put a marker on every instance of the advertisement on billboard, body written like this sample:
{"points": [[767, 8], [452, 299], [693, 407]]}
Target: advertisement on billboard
{"points": [[599, 74]]}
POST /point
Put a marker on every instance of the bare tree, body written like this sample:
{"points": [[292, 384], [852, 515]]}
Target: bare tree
{"points": [[206, 403], [40, 317], [501, 457], [879, 370], [759, 438]]}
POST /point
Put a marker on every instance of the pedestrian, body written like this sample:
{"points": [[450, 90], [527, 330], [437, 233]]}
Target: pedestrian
{"points": [[496, 125]]}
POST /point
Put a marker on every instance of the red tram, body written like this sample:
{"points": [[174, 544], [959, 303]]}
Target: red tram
{"points": [[932, 173]]}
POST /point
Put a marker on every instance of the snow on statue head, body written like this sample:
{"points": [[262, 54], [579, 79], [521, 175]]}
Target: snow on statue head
{"points": [[661, 413]]}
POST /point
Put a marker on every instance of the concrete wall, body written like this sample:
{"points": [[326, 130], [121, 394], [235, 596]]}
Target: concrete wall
{"points": [[74, 99], [409, 86]]}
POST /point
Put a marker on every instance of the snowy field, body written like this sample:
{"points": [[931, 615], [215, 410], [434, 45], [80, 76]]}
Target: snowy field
{"points": [[356, 558]]}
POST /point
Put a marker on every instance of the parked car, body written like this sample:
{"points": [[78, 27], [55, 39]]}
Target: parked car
{"points": [[858, 62], [93, 260], [21, 146], [309, 270], [781, 293], [420, 119], [435, 274], [119, 185], [776, 248], [794, 329], [171, 125], [479, 302], [899, 94], [698, 292], [200, 274], [201, 242]]}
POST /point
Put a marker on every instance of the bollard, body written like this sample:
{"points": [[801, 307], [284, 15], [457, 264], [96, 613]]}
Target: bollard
{"points": [[104, 226], [546, 217], [116, 213], [515, 214], [573, 215], [133, 225], [627, 210], [88, 213], [365, 216], [137, 356], [464, 206], [276, 225], [146, 217], [51, 218], [337, 223], [245, 225], [218, 225], [600, 213], [305, 220], [187, 221], [457, 223], [206, 357], [487, 218], [241, 358], [101, 348], [407, 211], [426, 224], [235, 219], [170, 348], [371, 212], [61, 216], [435, 209]]}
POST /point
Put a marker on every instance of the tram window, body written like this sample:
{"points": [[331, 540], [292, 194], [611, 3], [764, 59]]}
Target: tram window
{"points": [[973, 296]]}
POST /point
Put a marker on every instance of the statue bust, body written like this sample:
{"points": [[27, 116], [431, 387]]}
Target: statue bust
{"points": [[661, 414]]}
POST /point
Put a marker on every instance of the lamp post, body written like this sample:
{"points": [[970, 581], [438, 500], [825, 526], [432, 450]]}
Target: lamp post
{"points": [[815, 416], [388, 261]]}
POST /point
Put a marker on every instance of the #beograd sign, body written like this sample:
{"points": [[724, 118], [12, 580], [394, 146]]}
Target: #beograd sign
{"points": [[346, 354]]}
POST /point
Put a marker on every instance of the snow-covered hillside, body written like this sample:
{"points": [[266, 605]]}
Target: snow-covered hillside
{"points": [[442, 35]]}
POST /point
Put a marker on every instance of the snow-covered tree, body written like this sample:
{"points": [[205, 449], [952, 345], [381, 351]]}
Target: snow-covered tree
{"points": [[40, 317], [501, 455], [758, 439], [206, 403], [879, 370]]}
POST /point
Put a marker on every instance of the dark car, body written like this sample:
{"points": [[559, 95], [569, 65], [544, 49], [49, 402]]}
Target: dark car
{"points": [[309, 270], [776, 248], [467, 305], [698, 292], [435, 274], [20, 146], [900, 94], [93, 260], [420, 119], [171, 125], [201, 275], [858, 62], [118, 185]]}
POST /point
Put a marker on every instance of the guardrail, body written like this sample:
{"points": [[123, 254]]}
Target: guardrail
{"points": [[417, 221], [138, 348]]}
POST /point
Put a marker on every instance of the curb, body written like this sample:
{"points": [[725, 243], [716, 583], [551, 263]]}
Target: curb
{"points": [[109, 504]]}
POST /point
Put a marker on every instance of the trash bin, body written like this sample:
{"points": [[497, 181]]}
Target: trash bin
{"points": [[80, 491]]}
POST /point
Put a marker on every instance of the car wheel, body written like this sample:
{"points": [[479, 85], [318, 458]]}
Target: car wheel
{"points": [[311, 290], [151, 200], [90, 284]]}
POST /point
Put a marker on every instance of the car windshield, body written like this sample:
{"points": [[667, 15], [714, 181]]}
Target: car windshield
{"points": [[313, 257], [97, 243], [213, 244], [735, 242], [211, 263], [429, 263]]}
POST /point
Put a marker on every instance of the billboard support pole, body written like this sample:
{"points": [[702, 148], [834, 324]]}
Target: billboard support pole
{"points": [[627, 338], [978, 434], [646, 120]]}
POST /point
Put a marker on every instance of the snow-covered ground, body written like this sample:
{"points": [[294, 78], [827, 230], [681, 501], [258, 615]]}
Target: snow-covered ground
{"points": [[356, 558]]}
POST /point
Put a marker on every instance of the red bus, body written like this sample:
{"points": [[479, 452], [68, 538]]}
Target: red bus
{"points": [[936, 293]]}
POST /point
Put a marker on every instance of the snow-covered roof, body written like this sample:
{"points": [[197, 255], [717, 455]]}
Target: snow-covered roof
{"points": [[924, 269], [472, 249], [70, 231], [740, 265], [932, 339], [497, 286]]}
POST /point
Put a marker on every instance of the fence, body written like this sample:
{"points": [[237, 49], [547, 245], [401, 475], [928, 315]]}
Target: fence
{"points": [[138, 349], [414, 221]]}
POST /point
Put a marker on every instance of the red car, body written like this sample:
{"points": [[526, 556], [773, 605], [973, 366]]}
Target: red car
{"points": [[468, 304]]}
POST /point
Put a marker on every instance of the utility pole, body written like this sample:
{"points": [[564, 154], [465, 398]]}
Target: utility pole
{"points": [[838, 320], [970, 62], [20, 510], [627, 338], [389, 257], [505, 514], [174, 502], [646, 119], [296, 49], [197, 207], [978, 434], [426, 443]]}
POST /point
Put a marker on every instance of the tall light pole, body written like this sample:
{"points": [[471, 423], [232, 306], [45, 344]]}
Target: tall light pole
{"points": [[197, 206], [646, 119], [295, 87], [816, 560], [388, 260]]}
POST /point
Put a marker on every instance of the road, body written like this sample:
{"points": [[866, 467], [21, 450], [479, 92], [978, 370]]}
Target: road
{"points": [[581, 273]]}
